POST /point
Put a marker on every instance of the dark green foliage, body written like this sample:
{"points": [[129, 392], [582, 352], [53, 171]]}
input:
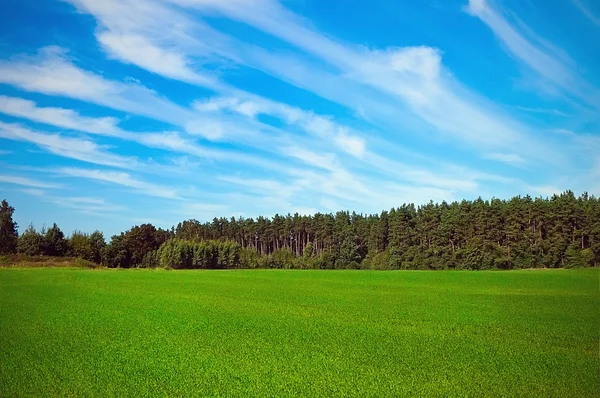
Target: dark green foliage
{"points": [[116, 254], [55, 243], [282, 258], [8, 229], [87, 246], [31, 242], [562, 231], [49, 242], [129, 248], [522, 232], [150, 260], [184, 254]]}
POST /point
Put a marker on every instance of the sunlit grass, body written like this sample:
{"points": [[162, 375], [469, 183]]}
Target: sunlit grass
{"points": [[289, 333]]}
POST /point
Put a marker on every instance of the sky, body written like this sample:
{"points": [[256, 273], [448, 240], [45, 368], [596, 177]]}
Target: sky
{"points": [[115, 113]]}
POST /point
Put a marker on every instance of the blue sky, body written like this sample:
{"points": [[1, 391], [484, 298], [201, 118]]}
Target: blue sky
{"points": [[119, 112]]}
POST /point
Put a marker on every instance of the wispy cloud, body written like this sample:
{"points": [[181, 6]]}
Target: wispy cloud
{"points": [[413, 78], [108, 126], [551, 65], [554, 112], [28, 182], [34, 192], [52, 72], [508, 158], [84, 205], [120, 178], [585, 9], [60, 117], [70, 147], [400, 120], [87, 205]]}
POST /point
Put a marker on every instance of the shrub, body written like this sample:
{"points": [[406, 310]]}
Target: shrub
{"points": [[150, 260], [31, 242], [380, 261]]}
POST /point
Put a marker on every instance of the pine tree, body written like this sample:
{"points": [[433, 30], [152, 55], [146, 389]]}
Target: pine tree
{"points": [[8, 229]]}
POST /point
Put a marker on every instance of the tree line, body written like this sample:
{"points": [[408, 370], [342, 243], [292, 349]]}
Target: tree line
{"points": [[522, 232]]}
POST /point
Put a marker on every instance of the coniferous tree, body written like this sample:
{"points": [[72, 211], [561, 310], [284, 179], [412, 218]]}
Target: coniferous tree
{"points": [[522, 232], [55, 242], [8, 229]]}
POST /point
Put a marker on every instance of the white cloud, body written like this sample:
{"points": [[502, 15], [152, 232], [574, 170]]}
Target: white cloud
{"points": [[584, 8], [554, 112], [422, 61], [28, 182], [34, 192], [350, 144], [121, 178], [54, 76], [167, 140], [429, 97], [508, 158], [65, 118], [263, 186], [51, 72], [411, 80], [547, 61], [209, 129], [74, 148], [325, 161], [87, 205], [399, 90], [136, 49], [251, 106]]}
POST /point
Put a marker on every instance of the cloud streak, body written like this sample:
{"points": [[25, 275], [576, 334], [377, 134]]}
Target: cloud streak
{"points": [[120, 178], [584, 8], [70, 147], [27, 182], [393, 124], [535, 54]]}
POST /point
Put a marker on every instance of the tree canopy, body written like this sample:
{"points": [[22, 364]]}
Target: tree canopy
{"points": [[522, 232], [8, 229]]}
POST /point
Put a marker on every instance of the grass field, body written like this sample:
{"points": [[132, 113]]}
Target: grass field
{"points": [[289, 333]]}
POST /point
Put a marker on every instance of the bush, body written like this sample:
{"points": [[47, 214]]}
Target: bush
{"points": [[150, 260], [380, 261], [282, 258], [249, 258], [579, 258], [31, 242]]}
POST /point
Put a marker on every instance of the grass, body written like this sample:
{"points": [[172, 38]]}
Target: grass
{"points": [[77, 332], [25, 261]]}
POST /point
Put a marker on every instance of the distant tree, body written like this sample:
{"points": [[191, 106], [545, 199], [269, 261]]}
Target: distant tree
{"points": [[55, 242], [79, 244], [143, 239], [97, 244], [116, 254], [31, 242], [8, 229], [87, 246], [521, 232], [130, 248]]}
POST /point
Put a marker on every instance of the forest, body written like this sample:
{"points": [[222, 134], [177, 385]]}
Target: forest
{"points": [[522, 232]]}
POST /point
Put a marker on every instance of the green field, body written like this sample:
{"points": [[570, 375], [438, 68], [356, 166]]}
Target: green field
{"points": [[75, 332]]}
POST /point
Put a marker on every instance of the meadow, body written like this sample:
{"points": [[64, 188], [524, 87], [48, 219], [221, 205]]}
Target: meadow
{"points": [[77, 332]]}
